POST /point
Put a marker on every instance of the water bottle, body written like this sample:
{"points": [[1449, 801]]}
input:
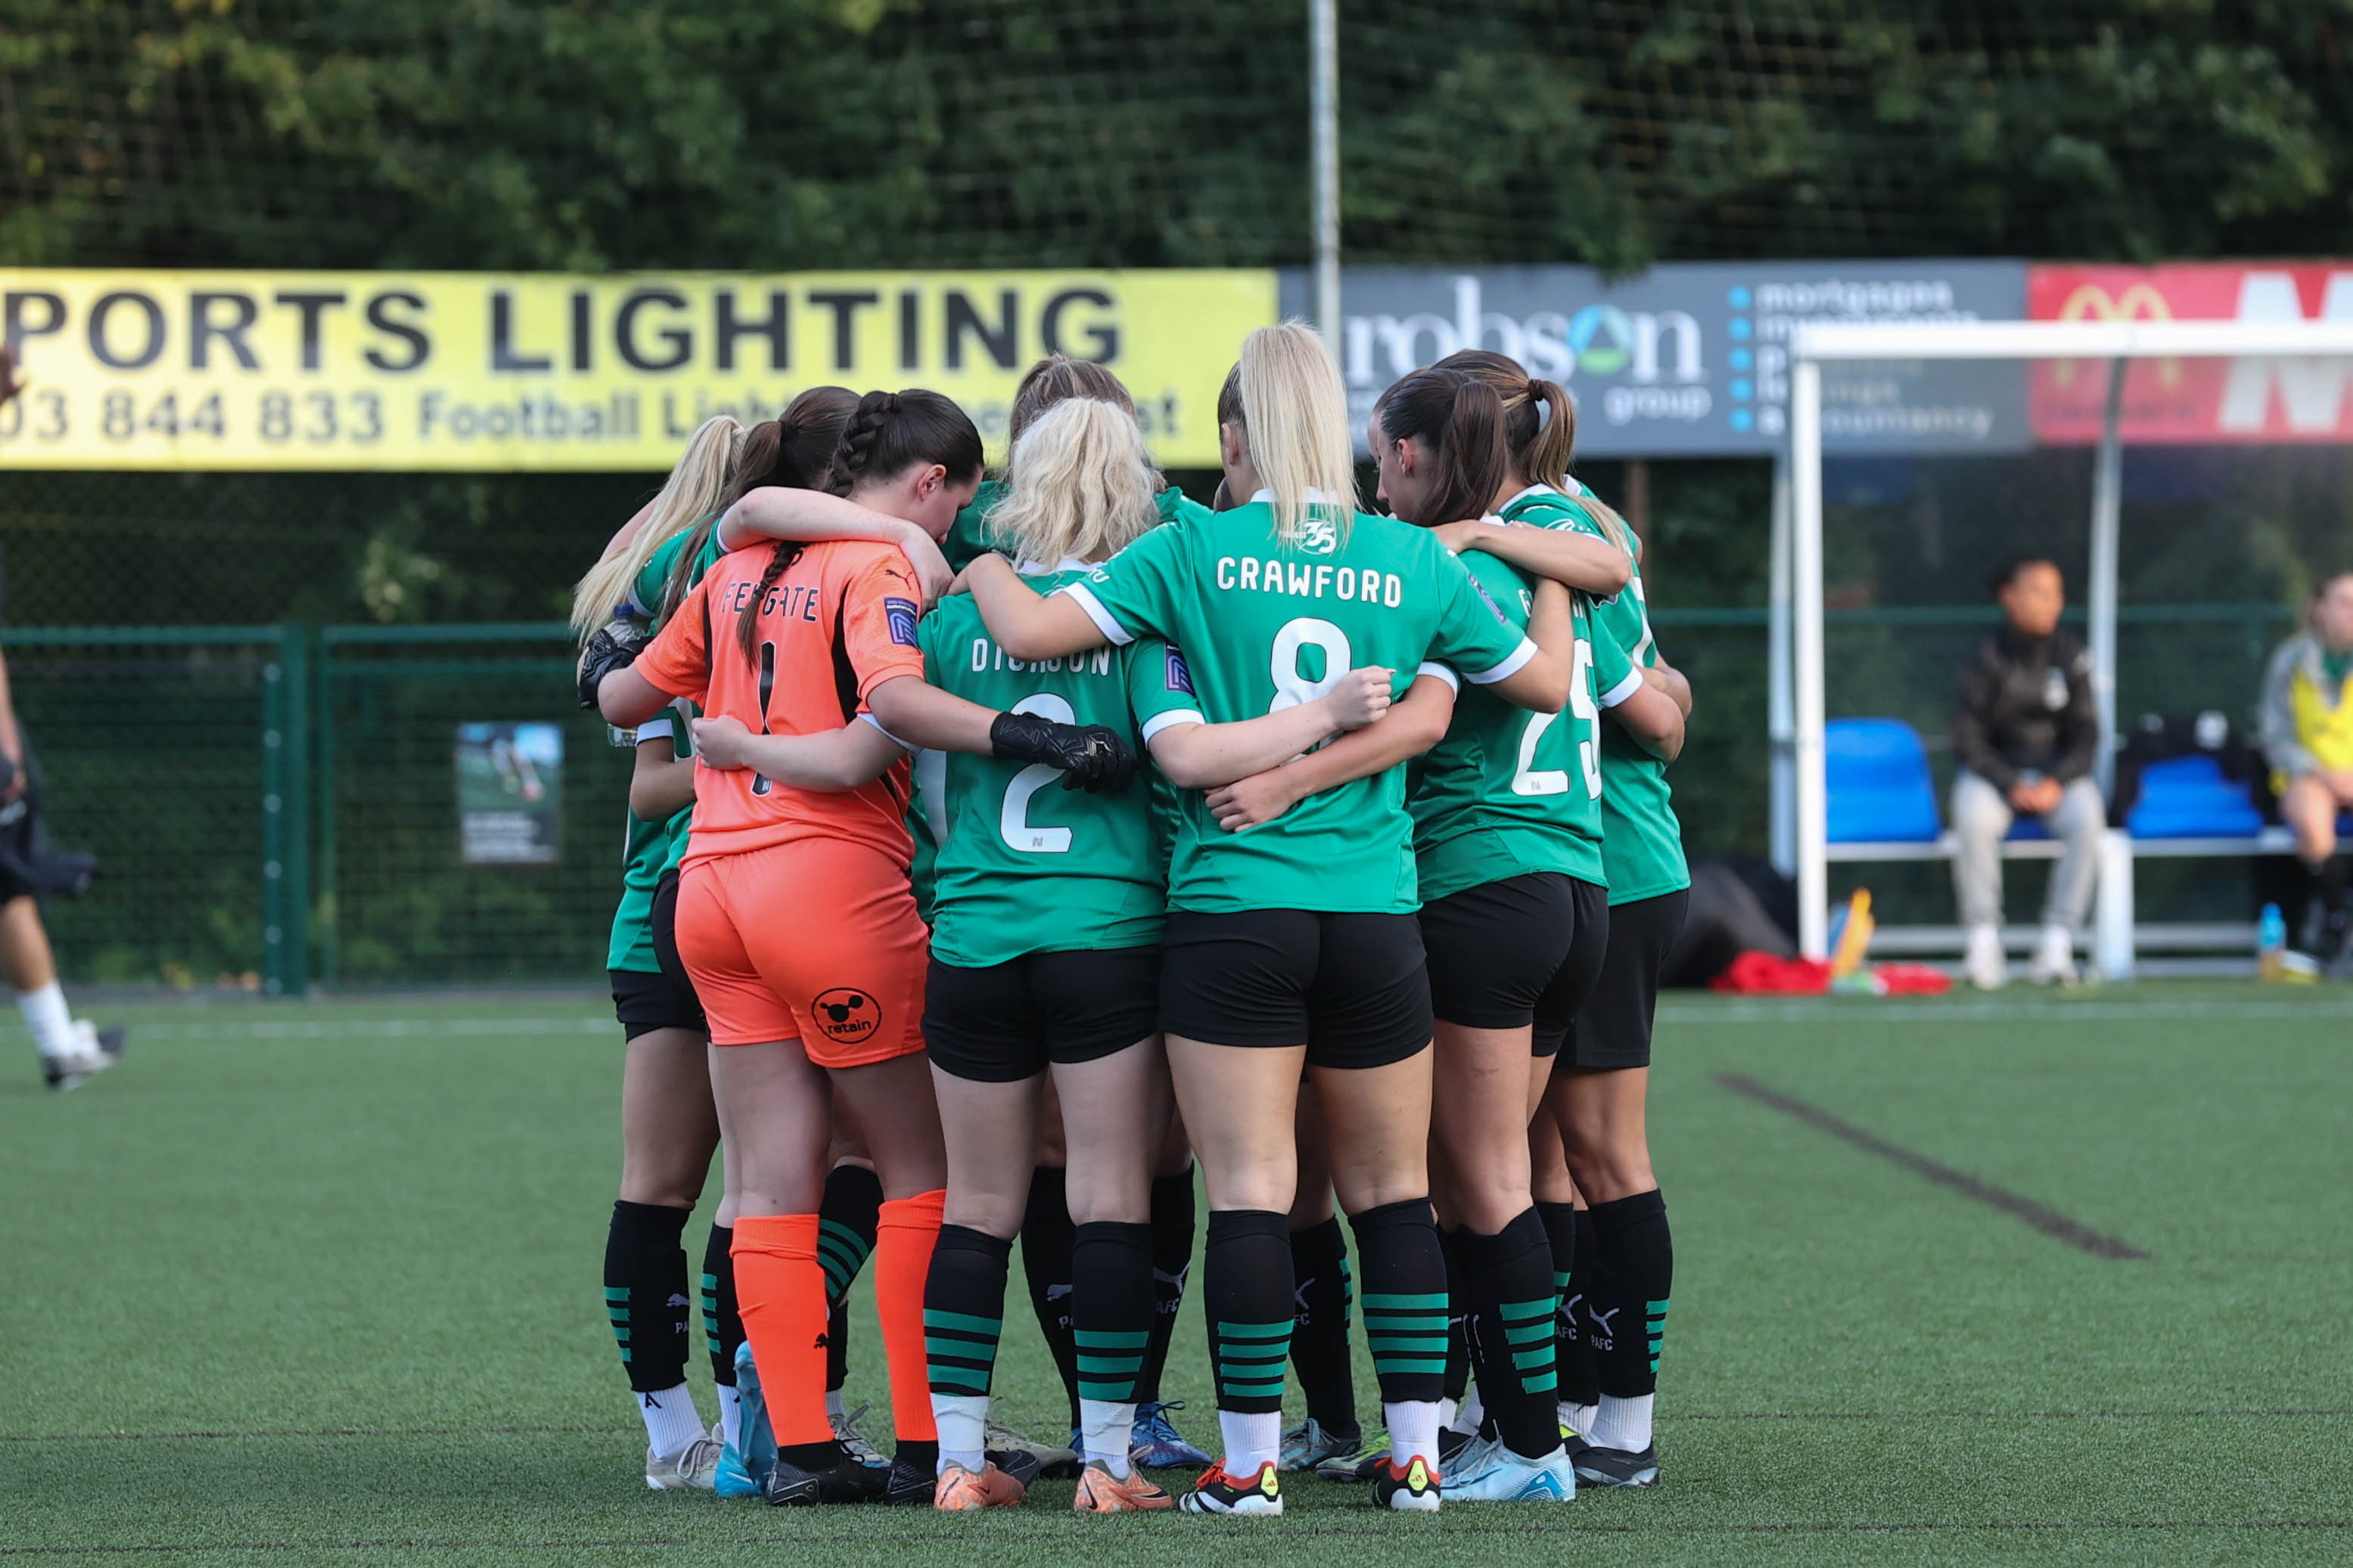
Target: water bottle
{"points": [[2271, 942]]}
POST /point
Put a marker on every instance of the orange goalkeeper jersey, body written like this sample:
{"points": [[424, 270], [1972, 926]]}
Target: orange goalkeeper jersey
{"points": [[837, 624]]}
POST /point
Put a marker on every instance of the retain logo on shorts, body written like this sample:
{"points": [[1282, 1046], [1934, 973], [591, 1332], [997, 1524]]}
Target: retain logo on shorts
{"points": [[902, 620], [847, 1017]]}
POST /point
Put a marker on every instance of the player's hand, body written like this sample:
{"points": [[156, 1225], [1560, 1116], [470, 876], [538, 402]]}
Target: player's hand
{"points": [[719, 742], [1247, 803], [9, 386], [2341, 783], [1095, 759], [932, 573], [1459, 537], [615, 646], [1361, 697]]}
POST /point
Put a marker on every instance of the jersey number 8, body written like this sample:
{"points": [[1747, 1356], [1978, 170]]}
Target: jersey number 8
{"points": [[1292, 688]]}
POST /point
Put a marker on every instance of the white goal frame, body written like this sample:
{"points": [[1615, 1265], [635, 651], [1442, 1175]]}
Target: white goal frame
{"points": [[1798, 576]]}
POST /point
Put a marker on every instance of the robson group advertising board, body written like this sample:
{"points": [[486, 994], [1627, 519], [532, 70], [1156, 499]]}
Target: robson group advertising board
{"points": [[1692, 358], [493, 370]]}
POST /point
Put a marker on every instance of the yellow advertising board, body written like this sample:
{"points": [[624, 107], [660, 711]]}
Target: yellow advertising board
{"points": [[452, 371]]}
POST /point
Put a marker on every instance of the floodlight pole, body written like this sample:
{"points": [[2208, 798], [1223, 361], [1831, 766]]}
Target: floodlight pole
{"points": [[2107, 510], [1782, 711], [1324, 114], [1806, 570]]}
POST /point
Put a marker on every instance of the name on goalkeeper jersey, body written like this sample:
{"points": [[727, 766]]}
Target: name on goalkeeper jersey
{"points": [[987, 655], [1303, 580]]}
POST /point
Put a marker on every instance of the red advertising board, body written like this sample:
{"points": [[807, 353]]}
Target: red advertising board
{"points": [[2180, 402]]}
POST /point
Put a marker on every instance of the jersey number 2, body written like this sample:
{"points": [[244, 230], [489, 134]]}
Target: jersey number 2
{"points": [[1013, 819], [1529, 779]]}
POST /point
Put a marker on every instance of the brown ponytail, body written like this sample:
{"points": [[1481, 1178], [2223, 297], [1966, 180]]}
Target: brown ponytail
{"points": [[790, 450], [1540, 431], [1459, 419]]}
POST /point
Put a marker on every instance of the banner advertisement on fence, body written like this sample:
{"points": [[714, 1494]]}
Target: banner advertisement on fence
{"points": [[450, 372], [510, 794], [2252, 398], [1690, 358]]}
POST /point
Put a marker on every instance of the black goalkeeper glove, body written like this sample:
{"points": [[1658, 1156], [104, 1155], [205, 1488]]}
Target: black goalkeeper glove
{"points": [[1091, 758], [616, 645]]}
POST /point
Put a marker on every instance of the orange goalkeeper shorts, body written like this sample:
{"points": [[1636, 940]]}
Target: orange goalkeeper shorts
{"points": [[816, 939]]}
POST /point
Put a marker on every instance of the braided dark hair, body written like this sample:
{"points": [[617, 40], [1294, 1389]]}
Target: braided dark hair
{"points": [[892, 431]]}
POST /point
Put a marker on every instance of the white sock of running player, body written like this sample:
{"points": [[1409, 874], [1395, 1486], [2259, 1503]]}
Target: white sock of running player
{"points": [[731, 1417], [1413, 1431], [1253, 1438], [1107, 1428], [1466, 1420], [671, 1420], [963, 1421], [1447, 1410], [1578, 1418], [1623, 1423], [833, 1406], [47, 1015]]}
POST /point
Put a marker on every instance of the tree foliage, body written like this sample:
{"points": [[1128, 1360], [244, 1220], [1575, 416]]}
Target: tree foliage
{"points": [[800, 133]]}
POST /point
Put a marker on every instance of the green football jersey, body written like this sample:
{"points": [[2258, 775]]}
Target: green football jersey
{"points": [[1266, 626], [1024, 865], [645, 597], [969, 536], [1641, 842], [646, 851], [1509, 792]]}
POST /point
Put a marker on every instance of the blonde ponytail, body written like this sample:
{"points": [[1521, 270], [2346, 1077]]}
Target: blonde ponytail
{"points": [[693, 490], [1286, 395], [1080, 484]]}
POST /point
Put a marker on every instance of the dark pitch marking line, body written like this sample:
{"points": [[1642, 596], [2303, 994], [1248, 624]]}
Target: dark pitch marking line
{"points": [[346, 1432], [2050, 1222], [1302, 1528]]}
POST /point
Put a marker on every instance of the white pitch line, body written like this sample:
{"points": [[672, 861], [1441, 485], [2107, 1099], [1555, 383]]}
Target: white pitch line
{"points": [[1867, 1012], [370, 1028]]}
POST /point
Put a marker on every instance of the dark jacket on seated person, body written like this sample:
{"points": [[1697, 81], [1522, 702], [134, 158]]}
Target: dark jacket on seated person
{"points": [[2026, 707]]}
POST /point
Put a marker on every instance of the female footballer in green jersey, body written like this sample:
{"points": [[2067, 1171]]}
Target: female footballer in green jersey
{"points": [[1295, 945], [1508, 834], [1046, 383], [1593, 1114], [1046, 1227], [668, 1125]]}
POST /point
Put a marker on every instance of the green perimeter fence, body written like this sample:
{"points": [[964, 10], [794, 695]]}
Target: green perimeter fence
{"points": [[276, 807]]}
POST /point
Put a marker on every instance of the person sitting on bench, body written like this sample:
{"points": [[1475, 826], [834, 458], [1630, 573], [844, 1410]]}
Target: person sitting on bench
{"points": [[2309, 739]]}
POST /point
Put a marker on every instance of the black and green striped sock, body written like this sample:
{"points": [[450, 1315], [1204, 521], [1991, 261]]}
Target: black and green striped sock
{"points": [[1637, 1264], [645, 1293], [1404, 1300], [1508, 1278], [846, 1221], [1319, 1336], [963, 1318], [722, 1322], [1246, 1284]]}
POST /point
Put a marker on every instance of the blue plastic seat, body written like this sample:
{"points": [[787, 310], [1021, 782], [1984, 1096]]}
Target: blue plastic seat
{"points": [[1879, 787], [2188, 797]]}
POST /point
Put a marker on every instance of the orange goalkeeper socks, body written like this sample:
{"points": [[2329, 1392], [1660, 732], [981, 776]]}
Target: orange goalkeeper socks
{"points": [[903, 1259], [780, 1292]]}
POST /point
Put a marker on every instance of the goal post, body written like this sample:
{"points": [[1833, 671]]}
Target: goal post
{"points": [[1797, 582]]}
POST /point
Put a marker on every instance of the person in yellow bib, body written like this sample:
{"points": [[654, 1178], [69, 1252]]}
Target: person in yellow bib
{"points": [[2308, 736]]}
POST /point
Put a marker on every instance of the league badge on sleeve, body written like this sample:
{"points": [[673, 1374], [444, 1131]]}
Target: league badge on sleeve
{"points": [[1180, 674], [902, 621]]}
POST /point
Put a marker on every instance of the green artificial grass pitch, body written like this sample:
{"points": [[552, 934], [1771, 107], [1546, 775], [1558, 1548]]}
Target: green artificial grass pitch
{"points": [[319, 1283]]}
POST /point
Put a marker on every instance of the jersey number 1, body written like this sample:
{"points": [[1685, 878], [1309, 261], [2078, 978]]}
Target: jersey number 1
{"points": [[1013, 820]]}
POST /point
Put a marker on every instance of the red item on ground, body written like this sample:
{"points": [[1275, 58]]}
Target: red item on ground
{"points": [[1762, 974], [1911, 980]]}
